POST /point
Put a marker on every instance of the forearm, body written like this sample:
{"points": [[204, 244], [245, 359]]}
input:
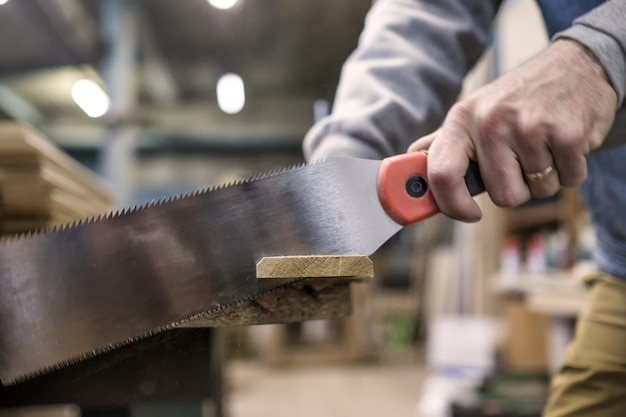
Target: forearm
{"points": [[603, 32], [404, 76]]}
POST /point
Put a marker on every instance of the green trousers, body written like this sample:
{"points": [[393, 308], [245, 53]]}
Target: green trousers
{"points": [[592, 380]]}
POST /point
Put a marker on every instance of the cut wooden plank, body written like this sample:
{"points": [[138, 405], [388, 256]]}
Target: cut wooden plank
{"points": [[314, 267], [316, 271], [304, 301]]}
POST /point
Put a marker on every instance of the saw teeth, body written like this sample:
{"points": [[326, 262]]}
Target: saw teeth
{"points": [[129, 211], [275, 172], [85, 356]]}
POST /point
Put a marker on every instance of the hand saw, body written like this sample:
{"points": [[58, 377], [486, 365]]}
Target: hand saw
{"points": [[80, 290], [71, 293]]}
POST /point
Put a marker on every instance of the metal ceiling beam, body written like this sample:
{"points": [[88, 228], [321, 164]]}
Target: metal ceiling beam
{"points": [[159, 81], [285, 116], [120, 35], [90, 137]]}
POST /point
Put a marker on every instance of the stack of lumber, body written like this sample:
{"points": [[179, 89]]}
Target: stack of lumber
{"points": [[40, 186]]}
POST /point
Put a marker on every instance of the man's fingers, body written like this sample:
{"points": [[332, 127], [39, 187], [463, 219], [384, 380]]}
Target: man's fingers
{"points": [[448, 161], [502, 176], [540, 172], [569, 157], [572, 168]]}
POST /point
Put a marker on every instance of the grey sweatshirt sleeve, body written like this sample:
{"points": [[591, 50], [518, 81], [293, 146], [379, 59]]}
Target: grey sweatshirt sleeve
{"points": [[603, 31], [405, 74]]}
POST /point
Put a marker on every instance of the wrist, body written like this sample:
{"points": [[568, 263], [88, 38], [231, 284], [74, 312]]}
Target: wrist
{"points": [[606, 50], [583, 58]]}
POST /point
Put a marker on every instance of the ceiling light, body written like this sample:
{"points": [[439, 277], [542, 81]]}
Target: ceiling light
{"points": [[91, 98], [223, 4], [6, 1], [231, 94]]}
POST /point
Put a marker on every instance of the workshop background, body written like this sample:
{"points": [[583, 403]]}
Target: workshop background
{"points": [[155, 98]]}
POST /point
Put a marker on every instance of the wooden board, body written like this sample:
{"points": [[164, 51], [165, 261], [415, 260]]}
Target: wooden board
{"points": [[314, 266], [321, 274], [22, 146], [319, 296], [41, 186]]}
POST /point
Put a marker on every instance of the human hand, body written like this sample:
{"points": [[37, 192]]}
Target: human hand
{"points": [[549, 112]]}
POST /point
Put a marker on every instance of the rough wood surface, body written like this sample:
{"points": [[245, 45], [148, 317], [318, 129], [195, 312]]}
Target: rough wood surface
{"points": [[345, 339], [314, 267], [22, 147], [41, 186], [287, 305], [315, 298]]}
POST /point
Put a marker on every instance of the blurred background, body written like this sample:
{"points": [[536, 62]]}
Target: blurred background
{"points": [[145, 99], [132, 88]]}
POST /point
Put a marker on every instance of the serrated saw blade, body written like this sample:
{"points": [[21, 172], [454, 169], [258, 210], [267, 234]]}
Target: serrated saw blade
{"points": [[71, 293]]}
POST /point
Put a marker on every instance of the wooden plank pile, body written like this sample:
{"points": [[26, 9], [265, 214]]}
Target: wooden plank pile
{"points": [[40, 186]]}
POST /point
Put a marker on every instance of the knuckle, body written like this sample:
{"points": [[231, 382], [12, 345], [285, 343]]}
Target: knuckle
{"points": [[493, 116], [494, 123], [569, 138], [531, 127], [462, 112], [595, 141]]}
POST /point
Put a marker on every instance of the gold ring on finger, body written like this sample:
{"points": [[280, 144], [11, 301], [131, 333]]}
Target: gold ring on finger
{"points": [[541, 175]]}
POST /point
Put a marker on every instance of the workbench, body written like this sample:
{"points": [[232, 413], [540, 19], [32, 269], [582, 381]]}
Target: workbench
{"points": [[185, 364]]}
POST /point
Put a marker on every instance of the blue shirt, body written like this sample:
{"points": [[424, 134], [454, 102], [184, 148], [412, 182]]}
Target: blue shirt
{"points": [[604, 191], [558, 15]]}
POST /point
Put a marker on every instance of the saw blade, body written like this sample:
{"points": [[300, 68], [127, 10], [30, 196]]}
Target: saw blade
{"points": [[76, 291]]}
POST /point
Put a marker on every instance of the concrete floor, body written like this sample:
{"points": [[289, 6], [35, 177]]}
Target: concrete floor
{"points": [[373, 390]]}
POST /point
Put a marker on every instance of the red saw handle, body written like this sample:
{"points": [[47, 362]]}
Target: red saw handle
{"points": [[403, 188]]}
